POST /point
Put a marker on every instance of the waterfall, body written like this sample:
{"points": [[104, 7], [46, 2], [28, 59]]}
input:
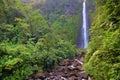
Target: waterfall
{"points": [[83, 32], [85, 36]]}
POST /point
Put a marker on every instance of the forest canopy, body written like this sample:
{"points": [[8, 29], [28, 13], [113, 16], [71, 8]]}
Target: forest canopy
{"points": [[36, 36]]}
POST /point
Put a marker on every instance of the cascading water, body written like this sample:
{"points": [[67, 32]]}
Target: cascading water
{"points": [[85, 25], [83, 35]]}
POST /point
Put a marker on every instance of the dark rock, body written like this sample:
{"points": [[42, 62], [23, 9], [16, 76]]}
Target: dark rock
{"points": [[69, 69], [83, 75]]}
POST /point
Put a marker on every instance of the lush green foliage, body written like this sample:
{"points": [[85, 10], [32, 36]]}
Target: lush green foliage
{"points": [[29, 41], [102, 60], [18, 60], [63, 16]]}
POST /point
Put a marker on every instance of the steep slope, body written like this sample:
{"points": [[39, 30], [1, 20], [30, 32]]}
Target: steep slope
{"points": [[102, 60]]}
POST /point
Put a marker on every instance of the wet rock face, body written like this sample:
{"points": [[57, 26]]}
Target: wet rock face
{"points": [[69, 69]]}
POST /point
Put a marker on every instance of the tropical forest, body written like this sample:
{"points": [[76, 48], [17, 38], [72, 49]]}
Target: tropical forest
{"points": [[59, 39]]}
